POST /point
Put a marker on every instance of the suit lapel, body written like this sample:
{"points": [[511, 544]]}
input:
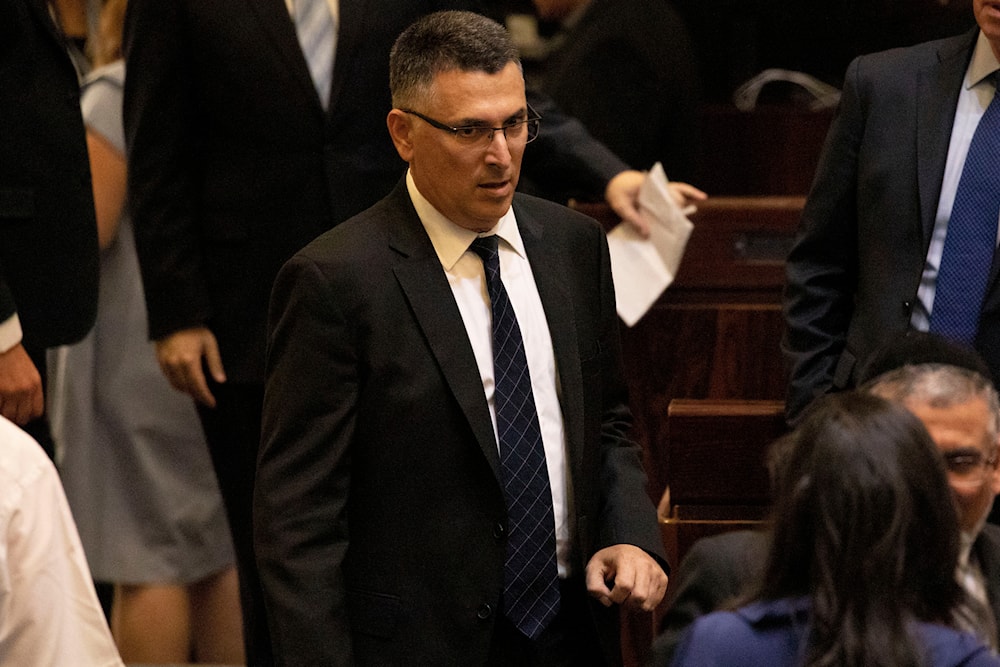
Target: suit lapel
{"points": [[549, 272], [277, 24], [423, 281], [40, 9], [350, 32], [938, 87]]}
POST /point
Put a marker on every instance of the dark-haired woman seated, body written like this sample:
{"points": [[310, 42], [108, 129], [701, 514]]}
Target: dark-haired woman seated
{"points": [[863, 549]]}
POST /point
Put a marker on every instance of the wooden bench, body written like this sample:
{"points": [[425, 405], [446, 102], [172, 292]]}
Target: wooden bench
{"points": [[717, 478]]}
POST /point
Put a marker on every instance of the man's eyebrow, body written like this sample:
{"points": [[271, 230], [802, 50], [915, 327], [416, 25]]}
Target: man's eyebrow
{"points": [[520, 114]]}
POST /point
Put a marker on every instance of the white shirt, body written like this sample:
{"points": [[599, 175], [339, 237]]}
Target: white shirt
{"points": [[49, 613], [976, 94], [464, 270], [10, 333]]}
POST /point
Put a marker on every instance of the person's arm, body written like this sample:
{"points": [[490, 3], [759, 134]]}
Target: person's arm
{"points": [[161, 120], [303, 475], [567, 158], [821, 269], [629, 565]]}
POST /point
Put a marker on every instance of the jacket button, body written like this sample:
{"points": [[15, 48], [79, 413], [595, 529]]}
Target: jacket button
{"points": [[485, 611], [906, 307], [498, 530]]}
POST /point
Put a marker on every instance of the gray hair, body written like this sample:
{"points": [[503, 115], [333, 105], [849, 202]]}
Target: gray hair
{"points": [[940, 386], [442, 42]]}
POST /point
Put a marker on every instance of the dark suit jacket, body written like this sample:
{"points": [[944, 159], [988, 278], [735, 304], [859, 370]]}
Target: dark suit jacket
{"points": [[233, 164], [856, 264], [379, 517], [719, 568], [716, 570], [48, 233], [629, 72]]}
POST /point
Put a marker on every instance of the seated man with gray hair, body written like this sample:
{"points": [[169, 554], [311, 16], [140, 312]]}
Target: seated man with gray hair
{"points": [[959, 407]]}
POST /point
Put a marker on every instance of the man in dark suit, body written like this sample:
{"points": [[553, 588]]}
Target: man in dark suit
{"points": [[961, 411], [48, 234], [865, 265], [384, 524], [235, 163]]}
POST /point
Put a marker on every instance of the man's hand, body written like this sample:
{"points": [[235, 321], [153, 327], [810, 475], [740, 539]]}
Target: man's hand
{"points": [[622, 195], [180, 355], [21, 398], [635, 578]]}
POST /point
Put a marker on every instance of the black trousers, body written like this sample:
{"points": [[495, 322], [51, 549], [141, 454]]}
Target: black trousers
{"points": [[232, 429]]}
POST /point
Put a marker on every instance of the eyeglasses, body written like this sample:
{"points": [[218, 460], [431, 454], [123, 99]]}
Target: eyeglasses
{"points": [[525, 129], [968, 465]]}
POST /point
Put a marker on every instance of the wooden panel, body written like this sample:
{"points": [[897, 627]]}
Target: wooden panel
{"points": [[717, 451], [772, 150], [714, 351]]}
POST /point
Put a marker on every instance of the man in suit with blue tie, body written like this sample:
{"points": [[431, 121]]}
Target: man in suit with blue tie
{"points": [[444, 473], [252, 127], [899, 231]]}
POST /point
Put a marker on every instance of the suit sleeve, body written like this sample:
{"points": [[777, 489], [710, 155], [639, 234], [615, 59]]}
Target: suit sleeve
{"points": [[160, 117], [627, 515], [565, 158], [822, 267], [303, 478]]}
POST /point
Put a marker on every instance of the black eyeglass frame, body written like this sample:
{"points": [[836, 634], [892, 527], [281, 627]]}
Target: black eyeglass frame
{"points": [[533, 121]]}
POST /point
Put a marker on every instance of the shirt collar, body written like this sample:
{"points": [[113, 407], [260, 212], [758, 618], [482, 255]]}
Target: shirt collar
{"points": [[450, 241], [984, 62]]}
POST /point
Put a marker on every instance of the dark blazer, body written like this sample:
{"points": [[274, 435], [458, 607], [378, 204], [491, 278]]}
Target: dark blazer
{"points": [[629, 72], [856, 264], [234, 165], [48, 233], [379, 517]]}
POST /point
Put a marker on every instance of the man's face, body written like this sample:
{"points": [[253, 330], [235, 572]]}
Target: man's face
{"points": [[963, 429], [472, 185], [988, 18]]}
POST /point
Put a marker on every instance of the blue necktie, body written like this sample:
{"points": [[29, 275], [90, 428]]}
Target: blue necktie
{"points": [[315, 29], [971, 238], [531, 580]]}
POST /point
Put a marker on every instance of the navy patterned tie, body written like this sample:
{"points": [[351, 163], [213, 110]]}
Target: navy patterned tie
{"points": [[972, 235], [531, 581]]}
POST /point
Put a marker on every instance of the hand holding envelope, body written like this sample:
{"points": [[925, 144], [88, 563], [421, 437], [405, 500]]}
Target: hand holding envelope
{"points": [[643, 268]]}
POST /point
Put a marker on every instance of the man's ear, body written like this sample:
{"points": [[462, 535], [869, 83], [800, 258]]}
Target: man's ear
{"points": [[400, 128], [995, 472]]}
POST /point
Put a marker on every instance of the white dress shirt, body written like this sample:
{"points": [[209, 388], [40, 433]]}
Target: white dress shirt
{"points": [[976, 94], [49, 613], [467, 279]]}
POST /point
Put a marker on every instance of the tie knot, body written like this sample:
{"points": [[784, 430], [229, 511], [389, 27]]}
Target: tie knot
{"points": [[485, 247]]}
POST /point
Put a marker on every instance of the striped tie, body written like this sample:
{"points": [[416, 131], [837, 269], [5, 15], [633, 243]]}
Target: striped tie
{"points": [[314, 26], [531, 581]]}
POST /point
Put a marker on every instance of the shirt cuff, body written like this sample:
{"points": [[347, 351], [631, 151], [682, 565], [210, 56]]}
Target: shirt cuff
{"points": [[10, 333]]}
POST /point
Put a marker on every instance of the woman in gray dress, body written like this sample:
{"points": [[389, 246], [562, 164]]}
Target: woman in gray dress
{"points": [[134, 462]]}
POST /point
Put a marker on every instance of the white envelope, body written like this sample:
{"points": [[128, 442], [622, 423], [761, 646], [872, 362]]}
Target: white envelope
{"points": [[643, 268]]}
